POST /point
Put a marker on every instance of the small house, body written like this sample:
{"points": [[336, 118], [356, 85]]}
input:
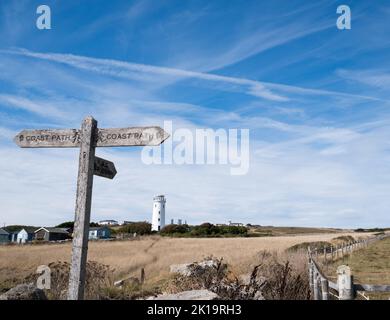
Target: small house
{"points": [[12, 235], [51, 234], [99, 233], [4, 236], [27, 234], [235, 224]]}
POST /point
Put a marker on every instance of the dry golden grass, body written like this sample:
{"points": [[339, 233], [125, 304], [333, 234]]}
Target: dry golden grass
{"points": [[154, 253], [285, 231]]}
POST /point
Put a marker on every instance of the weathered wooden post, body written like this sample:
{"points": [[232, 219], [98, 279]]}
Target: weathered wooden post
{"points": [[324, 289], [331, 253], [311, 278], [325, 255], [83, 209], [317, 286], [142, 278], [345, 283]]}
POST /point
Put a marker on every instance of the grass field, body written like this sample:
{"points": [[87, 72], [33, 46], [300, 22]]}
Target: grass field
{"points": [[370, 265], [281, 231], [154, 253]]}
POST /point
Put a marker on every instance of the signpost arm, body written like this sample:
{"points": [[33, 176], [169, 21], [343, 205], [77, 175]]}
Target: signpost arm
{"points": [[83, 209]]}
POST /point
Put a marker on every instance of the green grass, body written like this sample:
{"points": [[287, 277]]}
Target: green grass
{"points": [[320, 245], [370, 265], [280, 231]]}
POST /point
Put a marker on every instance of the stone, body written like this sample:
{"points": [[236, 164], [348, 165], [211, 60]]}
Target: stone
{"points": [[245, 279], [258, 296], [183, 269], [24, 292], [133, 281], [187, 269], [187, 295]]}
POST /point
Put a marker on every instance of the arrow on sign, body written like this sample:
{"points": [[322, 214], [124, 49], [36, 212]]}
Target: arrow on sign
{"points": [[104, 168], [116, 137]]}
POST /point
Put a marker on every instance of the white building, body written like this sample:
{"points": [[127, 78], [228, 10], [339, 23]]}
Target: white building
{"points": [[27, 234], [108, 223], [158, 218], [99, 233]]}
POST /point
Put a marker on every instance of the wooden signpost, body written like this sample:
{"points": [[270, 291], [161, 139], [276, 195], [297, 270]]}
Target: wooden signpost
{"points": [[87, 139]]}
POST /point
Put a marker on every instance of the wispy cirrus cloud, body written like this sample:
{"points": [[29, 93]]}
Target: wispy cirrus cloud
{"points": [[135, 71], [373, 78], [40, 106]]}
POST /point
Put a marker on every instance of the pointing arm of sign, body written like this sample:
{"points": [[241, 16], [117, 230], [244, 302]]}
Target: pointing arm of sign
{"points": [[48, 138], [135, 136], [104, 168]]}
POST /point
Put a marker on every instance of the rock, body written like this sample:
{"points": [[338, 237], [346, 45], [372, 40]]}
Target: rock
{"points": [[187, 269], [208, 263], [245, 279], [24, 292], [129, 281], [119, 283], [187, 295], [183, 269], [258, 296]]}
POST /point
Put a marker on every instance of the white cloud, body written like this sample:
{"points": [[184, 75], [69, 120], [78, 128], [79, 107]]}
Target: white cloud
{"points": [[333, 175], [301, 186]]}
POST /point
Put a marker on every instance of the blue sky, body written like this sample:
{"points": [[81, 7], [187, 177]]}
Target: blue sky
{"points": [[314, 97]]}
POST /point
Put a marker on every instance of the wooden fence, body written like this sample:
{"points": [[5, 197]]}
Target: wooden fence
{"points": [[344, 289]]}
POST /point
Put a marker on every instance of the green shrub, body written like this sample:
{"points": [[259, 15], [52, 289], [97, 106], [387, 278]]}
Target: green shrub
{"points": [[140, 228], [344, 239], [174, 229], [320, 245], [205, 229]]}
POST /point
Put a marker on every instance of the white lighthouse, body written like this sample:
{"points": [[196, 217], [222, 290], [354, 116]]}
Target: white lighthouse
{"points": [[158, 219]]}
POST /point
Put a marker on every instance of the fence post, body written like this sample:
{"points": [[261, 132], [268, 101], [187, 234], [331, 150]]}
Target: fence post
{"points": [[316, 286], [142, 278], [325, 254], [311, 278], [324, 289], [331, 253], [345, 283]]}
